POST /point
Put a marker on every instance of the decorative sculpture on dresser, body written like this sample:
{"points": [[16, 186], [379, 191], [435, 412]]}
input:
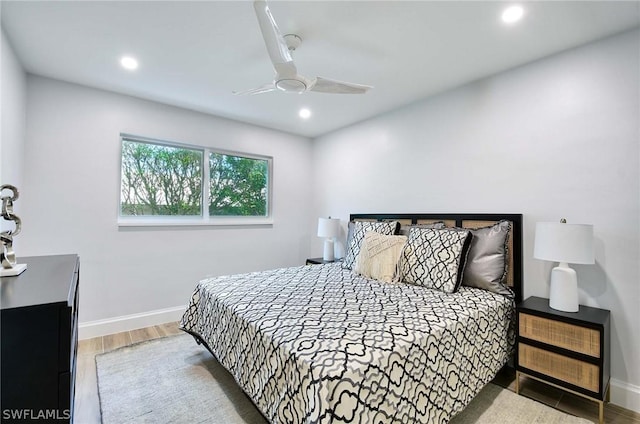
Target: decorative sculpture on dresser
{"points": [[8, 256]]}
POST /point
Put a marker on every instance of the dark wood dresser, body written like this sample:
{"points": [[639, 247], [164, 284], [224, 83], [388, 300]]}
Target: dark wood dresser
{"points": [[39, 339]]}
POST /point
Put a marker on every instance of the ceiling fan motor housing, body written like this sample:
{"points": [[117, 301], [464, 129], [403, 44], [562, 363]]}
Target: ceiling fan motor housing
{"points": [[291, 85], [293, 41]]}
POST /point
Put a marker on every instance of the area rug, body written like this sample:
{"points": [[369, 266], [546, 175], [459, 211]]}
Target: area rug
{"points": [[174, 380]]}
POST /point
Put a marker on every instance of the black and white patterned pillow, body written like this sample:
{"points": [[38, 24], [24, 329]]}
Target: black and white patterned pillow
{"points": [[435, 258], [406, 229], [360, 228]]}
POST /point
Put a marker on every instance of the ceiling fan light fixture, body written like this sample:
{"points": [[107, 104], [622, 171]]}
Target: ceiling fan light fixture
{"points": [[512, 14]]}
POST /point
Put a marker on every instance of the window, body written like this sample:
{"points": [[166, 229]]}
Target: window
{"points": [[168, 183], [160, 180], [237, 185]]}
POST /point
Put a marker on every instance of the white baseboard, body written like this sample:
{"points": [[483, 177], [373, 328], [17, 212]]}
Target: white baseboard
{"points": [[103, 327], [625, 395]]}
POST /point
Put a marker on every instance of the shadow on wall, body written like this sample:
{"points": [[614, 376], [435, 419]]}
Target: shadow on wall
{"points": [[592, 279], [340, 249]]}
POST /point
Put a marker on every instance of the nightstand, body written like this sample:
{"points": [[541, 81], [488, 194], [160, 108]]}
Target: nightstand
{"points": [[569, 350], [318, 261]]}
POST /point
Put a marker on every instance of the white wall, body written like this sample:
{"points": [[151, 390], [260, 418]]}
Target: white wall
{"points": [[556, 138], [13, 113], [71, 192]]}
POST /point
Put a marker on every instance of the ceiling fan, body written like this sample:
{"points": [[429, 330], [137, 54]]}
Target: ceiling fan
{"points": [[287, 78]]}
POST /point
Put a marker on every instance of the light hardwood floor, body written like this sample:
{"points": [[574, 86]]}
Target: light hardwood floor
{"points": [[87, 403]]}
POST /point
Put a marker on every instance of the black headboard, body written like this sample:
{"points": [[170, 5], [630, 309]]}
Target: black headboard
{"points": [[467, 220]]}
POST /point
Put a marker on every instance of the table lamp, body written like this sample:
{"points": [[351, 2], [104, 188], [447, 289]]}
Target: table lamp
{"points": [[328, 228], [564, 243]]}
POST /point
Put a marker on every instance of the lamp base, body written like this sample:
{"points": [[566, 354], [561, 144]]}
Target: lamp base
{"points": [[11, 272], [328, 250], [564, 289]]}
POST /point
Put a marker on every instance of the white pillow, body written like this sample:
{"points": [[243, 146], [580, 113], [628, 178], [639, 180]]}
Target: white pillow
{"points": [[357, 235], [378, 257]]}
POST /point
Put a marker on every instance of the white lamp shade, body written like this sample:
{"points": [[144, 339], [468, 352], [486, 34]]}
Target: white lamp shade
{"points": [[561, 242], [328, 227]]}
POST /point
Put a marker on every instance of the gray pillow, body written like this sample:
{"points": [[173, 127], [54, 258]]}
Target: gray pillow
{"points": [[486, 266]]}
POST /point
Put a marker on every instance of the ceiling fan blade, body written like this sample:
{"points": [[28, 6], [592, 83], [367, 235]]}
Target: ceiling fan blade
{"points": [[287, 78], [264, 89], [273, 39], [325, 85]]}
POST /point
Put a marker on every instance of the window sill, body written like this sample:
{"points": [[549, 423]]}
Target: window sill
{"points": [[197, 222]]}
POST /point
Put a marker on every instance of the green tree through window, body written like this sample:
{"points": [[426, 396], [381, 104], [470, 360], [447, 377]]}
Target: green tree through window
{"points": [[169, 180], [160, 180], [238, 185]]}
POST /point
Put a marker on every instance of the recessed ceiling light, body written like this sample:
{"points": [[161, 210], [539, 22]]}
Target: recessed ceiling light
{"points": [[128, 62], [512, 14], [304, 113]]}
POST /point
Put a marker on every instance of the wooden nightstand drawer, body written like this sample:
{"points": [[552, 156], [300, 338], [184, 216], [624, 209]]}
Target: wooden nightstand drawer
{"points": [[572, 371], [567, 336]]}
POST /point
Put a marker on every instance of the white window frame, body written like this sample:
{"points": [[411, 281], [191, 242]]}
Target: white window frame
{"points": [[204, 219]]}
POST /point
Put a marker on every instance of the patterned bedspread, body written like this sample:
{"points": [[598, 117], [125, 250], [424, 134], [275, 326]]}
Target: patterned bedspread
{"points": [[318, 344]]}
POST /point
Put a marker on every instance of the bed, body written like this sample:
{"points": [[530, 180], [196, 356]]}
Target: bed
{"points": [[322, 344]]}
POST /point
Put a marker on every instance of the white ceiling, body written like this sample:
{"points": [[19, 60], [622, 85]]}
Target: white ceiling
{"points": [[194, 54]]}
